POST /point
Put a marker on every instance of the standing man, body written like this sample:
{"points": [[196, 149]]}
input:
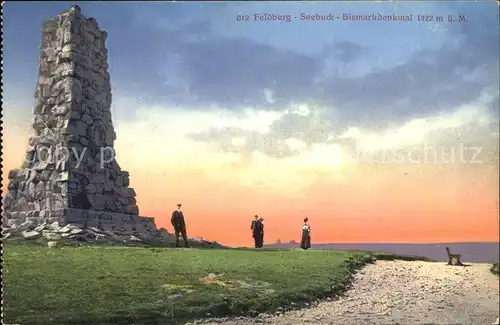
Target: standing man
{"points": [[179, 226], [253, 228]]}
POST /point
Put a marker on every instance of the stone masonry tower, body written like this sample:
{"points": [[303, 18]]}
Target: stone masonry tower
{"points": [[70, 174]]}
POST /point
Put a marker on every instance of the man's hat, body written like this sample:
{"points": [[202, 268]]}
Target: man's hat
{"points": [[179, 205]]}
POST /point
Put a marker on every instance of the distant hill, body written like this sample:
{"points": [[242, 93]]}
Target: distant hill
{"points": [[471, 252]]}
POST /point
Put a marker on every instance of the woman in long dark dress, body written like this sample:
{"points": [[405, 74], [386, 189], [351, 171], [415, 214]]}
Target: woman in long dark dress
{"points": [[305, 243], [261, 232]]}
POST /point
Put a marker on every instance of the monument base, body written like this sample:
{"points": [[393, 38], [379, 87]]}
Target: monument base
{"points": [[87, 227], [126, 223]]}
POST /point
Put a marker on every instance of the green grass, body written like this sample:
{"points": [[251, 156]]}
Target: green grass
{"points": [[127, 285]]}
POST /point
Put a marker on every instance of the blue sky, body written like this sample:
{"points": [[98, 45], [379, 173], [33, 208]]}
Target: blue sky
{"points": [[197, 56]]}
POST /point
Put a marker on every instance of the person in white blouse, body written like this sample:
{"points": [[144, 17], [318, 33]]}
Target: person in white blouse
{"points": [[305, 243]]}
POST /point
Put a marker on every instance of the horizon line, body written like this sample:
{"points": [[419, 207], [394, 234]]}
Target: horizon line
{"points": [[394, 243]]}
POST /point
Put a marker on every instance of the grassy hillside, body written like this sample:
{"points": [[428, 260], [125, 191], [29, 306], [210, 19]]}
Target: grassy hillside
{"points": [[126, 285]]}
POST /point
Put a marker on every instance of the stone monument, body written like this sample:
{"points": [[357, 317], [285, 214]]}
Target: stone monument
{"points": [[70, 174]]}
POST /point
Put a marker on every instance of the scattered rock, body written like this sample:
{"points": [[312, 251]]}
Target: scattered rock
{"points": [[50, 235], [134, 238], [75, 231], [52, 244], [53, 226], [27, 234], [95, 230], [65, 229], [213, 279], [89, 235], [41, 227]]}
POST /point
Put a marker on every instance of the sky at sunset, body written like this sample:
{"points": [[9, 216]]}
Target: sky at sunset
{"points": [[377, 131]]}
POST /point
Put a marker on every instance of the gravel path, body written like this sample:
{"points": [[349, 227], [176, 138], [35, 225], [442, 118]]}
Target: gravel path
{"points": [[398, 292]]}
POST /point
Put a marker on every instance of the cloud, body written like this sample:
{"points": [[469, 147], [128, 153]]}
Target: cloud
{"points": [[417, 131], [233, 72], [344, 51], [269, 96], [226, 147], [296, 126], [184, 61], [301, 129], [431, 81], [236, 72], [176, 55], [254, 148], [494, 107]]}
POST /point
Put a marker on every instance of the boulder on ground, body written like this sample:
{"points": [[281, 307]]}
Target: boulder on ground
{"points": [[51, 235], [30, 234], [52, 244]]}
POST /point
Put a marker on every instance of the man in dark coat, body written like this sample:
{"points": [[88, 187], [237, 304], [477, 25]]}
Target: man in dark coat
{"points": [[179, 226], [253, 228]]}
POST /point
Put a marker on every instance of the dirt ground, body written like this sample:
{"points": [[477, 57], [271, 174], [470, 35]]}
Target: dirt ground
{"points": [[400, 292]]}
